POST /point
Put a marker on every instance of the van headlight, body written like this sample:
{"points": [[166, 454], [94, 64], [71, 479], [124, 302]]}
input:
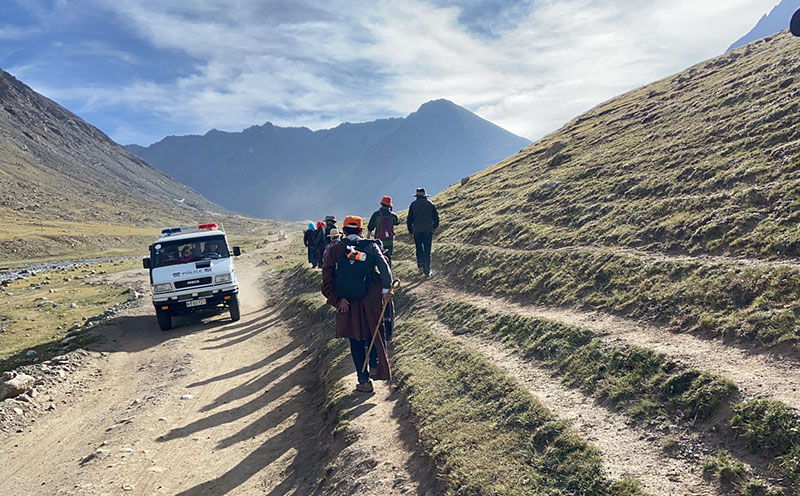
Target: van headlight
{"points": [[162, 288], [222, 278]]}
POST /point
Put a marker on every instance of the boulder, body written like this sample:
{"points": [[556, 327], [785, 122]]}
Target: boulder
{"points": [[17, 385]]}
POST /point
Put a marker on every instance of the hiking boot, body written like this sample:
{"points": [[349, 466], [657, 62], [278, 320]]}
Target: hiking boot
{"points": [[365, 387]]}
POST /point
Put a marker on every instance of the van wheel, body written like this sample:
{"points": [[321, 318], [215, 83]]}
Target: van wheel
{"points": [[164, 320], [233, 304]]}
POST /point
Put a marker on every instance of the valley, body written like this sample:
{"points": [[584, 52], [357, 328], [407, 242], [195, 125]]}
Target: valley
{"points": [[613, 310]]}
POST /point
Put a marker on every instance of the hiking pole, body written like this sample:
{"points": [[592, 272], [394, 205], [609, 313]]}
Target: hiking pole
{"points": [[395, 285]]}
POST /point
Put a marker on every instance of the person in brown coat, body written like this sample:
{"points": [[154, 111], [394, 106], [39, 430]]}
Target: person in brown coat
{"points": [[358, 292]]}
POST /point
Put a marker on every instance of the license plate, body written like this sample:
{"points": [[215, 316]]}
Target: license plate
{"points": [[196, 303]]}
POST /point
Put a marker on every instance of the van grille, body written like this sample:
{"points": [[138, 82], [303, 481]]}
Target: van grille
{"points": [[192, 283]]}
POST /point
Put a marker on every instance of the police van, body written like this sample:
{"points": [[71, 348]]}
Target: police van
{"points": [[191, 269]]}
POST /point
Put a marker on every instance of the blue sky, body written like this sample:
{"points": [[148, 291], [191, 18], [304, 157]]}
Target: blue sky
{"points": [[144, 69]]}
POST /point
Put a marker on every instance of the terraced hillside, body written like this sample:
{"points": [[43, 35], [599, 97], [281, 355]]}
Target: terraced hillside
{"points": [[638, 272]]}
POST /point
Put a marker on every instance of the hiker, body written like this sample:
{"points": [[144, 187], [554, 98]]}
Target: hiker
{"points": [[351, 284], [309, 236], [423, 219], [330, 223], [320, 242], [382, 222], [334, 238]]}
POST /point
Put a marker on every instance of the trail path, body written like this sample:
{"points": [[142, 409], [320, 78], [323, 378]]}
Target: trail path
{"points": [[760, 375], [211, 407], [627, 450], [650, 257]]}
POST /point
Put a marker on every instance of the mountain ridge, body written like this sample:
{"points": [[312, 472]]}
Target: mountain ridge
{"points": [[433, 147], [775, 21]]}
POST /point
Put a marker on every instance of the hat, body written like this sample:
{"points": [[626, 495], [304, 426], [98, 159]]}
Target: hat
{"points": [[330, 218], [311, 226], [387, 200], [352, 221], [334, 233], [421, 193]]}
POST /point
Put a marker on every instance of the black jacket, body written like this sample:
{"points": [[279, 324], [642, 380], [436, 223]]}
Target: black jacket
{"points": [[422, 216]]}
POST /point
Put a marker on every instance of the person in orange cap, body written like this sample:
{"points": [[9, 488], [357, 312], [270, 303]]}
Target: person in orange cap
{"points": [[382, 222], [357, 280]]}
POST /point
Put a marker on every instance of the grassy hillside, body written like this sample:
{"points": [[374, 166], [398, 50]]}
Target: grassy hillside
{"points": [[678, 202], [703, 162]]}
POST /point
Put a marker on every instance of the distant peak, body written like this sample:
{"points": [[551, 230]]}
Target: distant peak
{"points": [[438, 104]]}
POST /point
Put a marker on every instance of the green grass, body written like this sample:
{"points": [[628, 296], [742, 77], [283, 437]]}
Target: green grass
{"points": [[770, 426], [753, 305], [646, 384], [39, 327], [485, 433]]}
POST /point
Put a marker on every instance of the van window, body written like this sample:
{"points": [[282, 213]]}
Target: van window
{"points": [[188, 250]]}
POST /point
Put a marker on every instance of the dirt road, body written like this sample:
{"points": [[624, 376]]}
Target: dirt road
{"points": [[211, 407]]}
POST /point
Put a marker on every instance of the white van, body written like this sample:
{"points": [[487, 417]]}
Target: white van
{"points": [[191, 270]]}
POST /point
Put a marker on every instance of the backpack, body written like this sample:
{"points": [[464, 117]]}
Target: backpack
{"points": [[353, 271], [385, 229]]}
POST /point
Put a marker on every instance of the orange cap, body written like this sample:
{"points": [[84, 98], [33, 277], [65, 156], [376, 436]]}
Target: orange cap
{"points": [[387, 200], [352, 221]]}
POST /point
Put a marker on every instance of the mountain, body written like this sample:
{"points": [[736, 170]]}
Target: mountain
{"points": [[55, 163], [61, 179], [774, 22], [296, 173]]}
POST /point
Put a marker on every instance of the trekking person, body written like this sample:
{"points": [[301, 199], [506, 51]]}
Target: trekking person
{"points": [[335, 237], [423, 220], [320, 242], [330, 223], [382, 222], [309, 237], [351, 284]]}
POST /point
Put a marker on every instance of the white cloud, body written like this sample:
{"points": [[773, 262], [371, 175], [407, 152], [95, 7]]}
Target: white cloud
{"points": [[320, 64]]}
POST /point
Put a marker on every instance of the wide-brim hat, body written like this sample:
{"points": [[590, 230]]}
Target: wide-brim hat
{"points": [[334, 233], [353, 221], [421, 193], [387, 200], [330, 218]]}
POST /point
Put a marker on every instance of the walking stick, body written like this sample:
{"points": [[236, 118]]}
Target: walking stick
{"points": [[395, 285]]}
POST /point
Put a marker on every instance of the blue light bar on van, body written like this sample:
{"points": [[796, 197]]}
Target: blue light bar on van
{"points": [[175, 230]]}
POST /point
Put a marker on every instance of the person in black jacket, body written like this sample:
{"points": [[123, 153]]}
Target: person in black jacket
{"points": [[310, 239], [423, 219]]}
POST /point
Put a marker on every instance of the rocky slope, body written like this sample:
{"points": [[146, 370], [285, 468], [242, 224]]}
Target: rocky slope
{"points": [[55, 165], [251, 171]]}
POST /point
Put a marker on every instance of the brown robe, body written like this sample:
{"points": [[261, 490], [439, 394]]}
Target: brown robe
{"points": [[364, 315]]}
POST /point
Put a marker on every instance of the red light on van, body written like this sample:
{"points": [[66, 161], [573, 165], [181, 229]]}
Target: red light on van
{"points": [[207, 226]]}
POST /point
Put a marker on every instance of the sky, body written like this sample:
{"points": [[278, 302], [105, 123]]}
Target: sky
{"points": [[144, 69]]}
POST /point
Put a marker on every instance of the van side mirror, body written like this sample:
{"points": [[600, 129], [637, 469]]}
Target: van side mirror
{"points": [[237, 251], [146, 262]]}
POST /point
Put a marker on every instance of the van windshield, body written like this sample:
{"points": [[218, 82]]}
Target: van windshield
{"points": [[188, 250]]}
